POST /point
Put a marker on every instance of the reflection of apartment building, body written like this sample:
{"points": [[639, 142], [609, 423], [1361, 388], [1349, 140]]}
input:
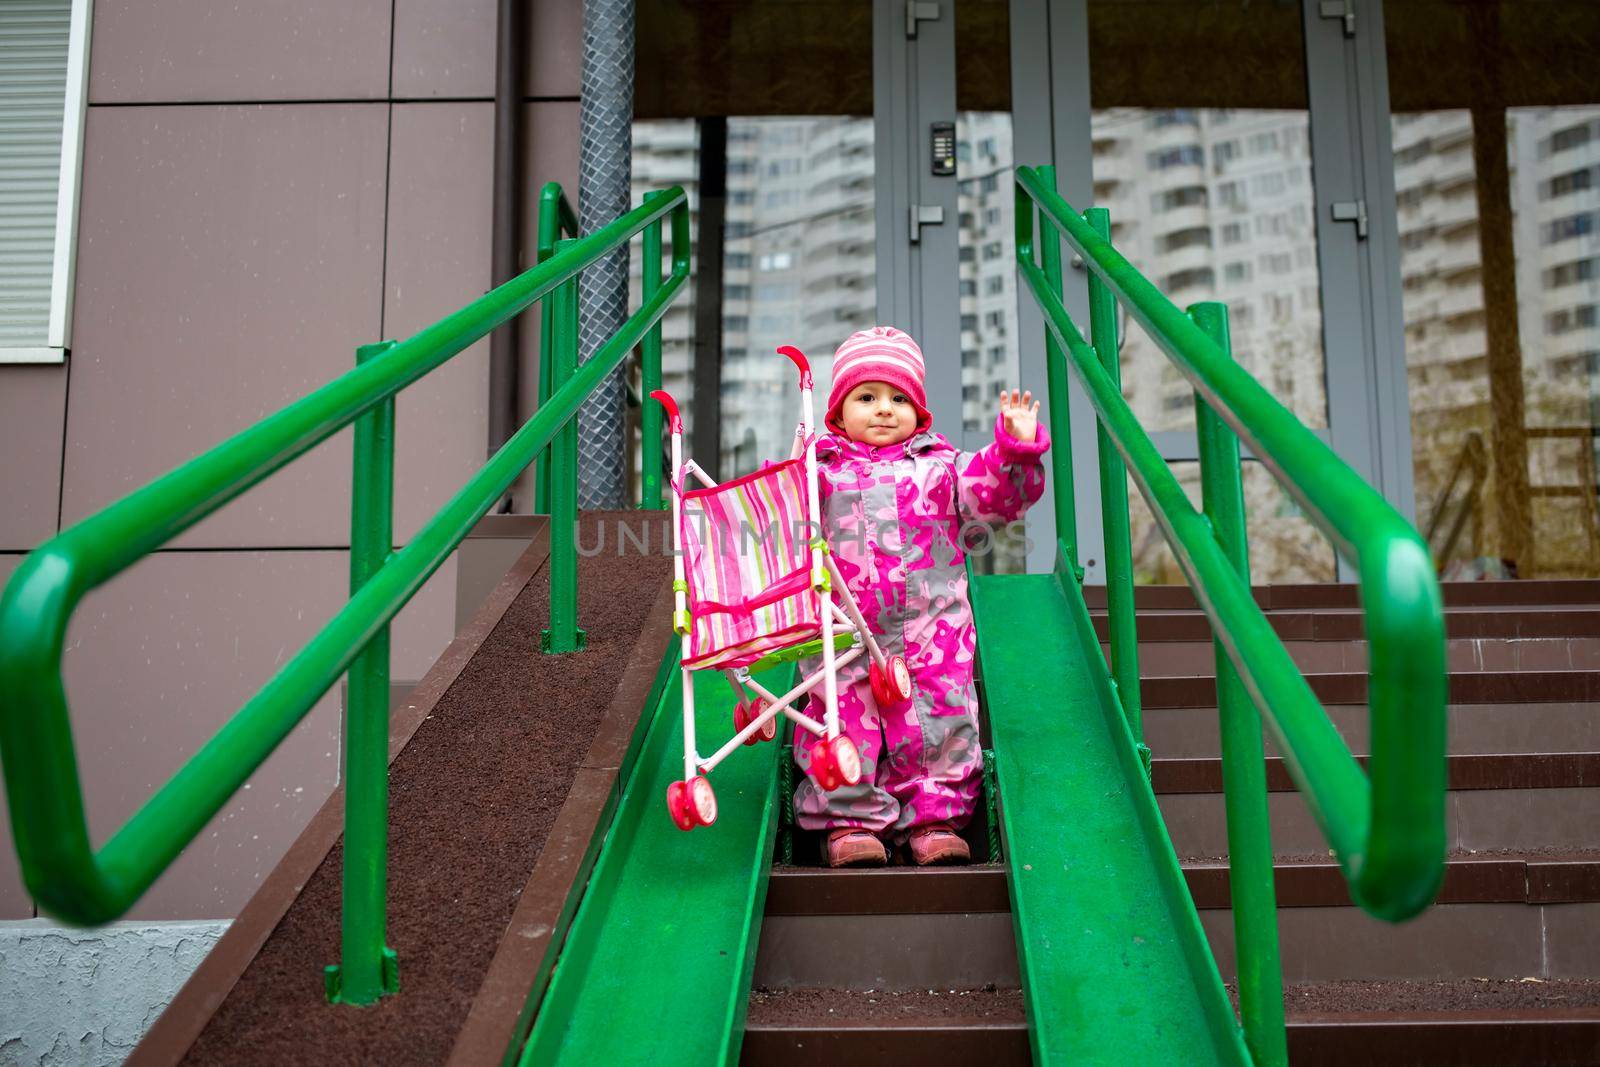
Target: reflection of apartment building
{"points": [[1216, 205], [1553, 159], [799, 261]]}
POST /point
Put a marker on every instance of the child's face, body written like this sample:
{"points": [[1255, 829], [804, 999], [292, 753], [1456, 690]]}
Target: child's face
{"points": [[876, 413]]}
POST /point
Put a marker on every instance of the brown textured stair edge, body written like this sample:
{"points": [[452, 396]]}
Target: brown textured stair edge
{"points": [[1346, 595], [1567, 1036], [1345, 624], [1515, 770], [888, 891], [503, 1009], [1540, 879], [1349, 687], [176, 1029], [1492, 880], [1559, 1038]]}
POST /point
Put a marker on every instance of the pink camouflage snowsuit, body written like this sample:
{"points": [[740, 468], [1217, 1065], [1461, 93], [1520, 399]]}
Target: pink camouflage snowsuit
{"points": [[893, 516]]}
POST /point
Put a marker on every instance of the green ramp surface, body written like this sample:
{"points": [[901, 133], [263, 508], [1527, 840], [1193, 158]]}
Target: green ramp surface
{"points": [[657, 966], [1115, 966]]}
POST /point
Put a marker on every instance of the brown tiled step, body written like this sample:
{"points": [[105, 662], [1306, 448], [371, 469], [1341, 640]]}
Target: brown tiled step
{"points": [[1474, 728], [1482, 879], [1479, 820], [1467, 1023], [1486, 687], [1539, 878], [1346, 624], [887, 891], [1537, 770], [1346, 595], [846, 1028], [1465, 655]]}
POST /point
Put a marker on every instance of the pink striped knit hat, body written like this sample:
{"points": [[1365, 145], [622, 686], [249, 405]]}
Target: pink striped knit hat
{"points": [[881, 354]]}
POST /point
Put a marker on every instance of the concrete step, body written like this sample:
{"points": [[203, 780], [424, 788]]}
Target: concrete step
{"points": [[1347, 595], [856, 1028], [1165, 659]]}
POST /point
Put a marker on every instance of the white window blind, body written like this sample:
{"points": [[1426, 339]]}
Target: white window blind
{"points": [[42, 75]]}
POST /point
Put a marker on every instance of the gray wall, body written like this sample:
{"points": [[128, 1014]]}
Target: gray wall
{"points": [[265, 188]]}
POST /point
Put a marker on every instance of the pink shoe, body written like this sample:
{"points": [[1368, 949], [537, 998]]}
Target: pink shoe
{"points": [[854, 848], [938, 843]]}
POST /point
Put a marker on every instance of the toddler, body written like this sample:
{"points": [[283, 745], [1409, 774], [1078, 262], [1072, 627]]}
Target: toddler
{"points": [[895, 497]]}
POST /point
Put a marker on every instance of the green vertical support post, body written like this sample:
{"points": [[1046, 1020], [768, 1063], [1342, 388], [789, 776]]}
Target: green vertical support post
{"points": [[564, 634], [1055, 359], [1244, 773], [1120, 615], [367, 968], [650, 375], [541, 465]]}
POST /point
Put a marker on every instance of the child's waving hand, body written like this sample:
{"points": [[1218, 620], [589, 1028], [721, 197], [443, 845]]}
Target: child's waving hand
{"points": [[1019, 413]]}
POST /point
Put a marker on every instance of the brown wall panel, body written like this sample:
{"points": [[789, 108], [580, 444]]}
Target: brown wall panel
{"points": [[444, 48], [230, 263], [14, 900], [32, 406], [551, 155], [439, 223], [159, 659], [157, 51], [555, 49]]}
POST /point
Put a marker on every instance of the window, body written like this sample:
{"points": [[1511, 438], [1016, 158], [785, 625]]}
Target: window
{"points": [[1562, 184], [1571, 226], [1197, 237], [42, 95], [737, 261], [1579, 270], [969, 357], [995, 320], [1262, 143], [991, 216], [1225, 151], [1577, 318], [1236, 272], [1277, 263], [1571, 137], [1267, 184], [967, 220], [969, 322], [1232, 233], [995, 285], [737, 292], [969, 392], [997, 354], [1231, 194], [993, 250], [989, 183], [736, 323], [1187, 196], [741, 197], [739, 229], [968, 254], [1176, 117], [777, 261], [969, 287], [1190, 155], [1201, 277]]}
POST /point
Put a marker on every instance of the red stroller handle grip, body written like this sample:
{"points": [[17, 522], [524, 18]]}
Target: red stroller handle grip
{"points": [[664, 398], [799, 359]]}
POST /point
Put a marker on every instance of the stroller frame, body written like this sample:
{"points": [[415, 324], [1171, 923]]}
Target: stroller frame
{"points": [[844, 638]]}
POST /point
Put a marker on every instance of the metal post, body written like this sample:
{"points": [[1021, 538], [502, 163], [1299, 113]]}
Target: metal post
{"points": [[368, 968], [563, 634], [1244, 772], [650, 455], [1060, 417], [1121, 619], [541, 466]]}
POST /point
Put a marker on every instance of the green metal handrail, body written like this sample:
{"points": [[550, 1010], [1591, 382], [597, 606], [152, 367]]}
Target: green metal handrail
{"points": [[556, 218], [1387, 831], [61, 869]]}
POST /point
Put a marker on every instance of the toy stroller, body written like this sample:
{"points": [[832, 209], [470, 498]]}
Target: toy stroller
{"points": [[755, 585]]}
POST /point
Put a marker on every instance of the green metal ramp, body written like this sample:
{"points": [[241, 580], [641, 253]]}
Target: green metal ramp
{"points": [[657, 966], [1115, 966]]}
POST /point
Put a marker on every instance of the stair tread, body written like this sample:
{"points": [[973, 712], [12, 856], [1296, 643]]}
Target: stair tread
{"points": [[1475, 996], [838, 1008]]}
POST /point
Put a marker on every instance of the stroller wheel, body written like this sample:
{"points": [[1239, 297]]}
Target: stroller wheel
{"points": [[741, 719], [678, 805], [702, 801], [846, 759], [769, 729], [891, 685], [823, 767]]}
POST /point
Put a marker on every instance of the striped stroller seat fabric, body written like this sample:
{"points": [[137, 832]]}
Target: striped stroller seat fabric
{"points": [[747, 564]]}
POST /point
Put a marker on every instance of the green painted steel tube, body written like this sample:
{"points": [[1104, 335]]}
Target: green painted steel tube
{"points": [[650, 445], [1120, 614], [556, 217], [1058, 400], [1244, 768], [1388, 834], [60, 868], [563, 634], [359, 978]]}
